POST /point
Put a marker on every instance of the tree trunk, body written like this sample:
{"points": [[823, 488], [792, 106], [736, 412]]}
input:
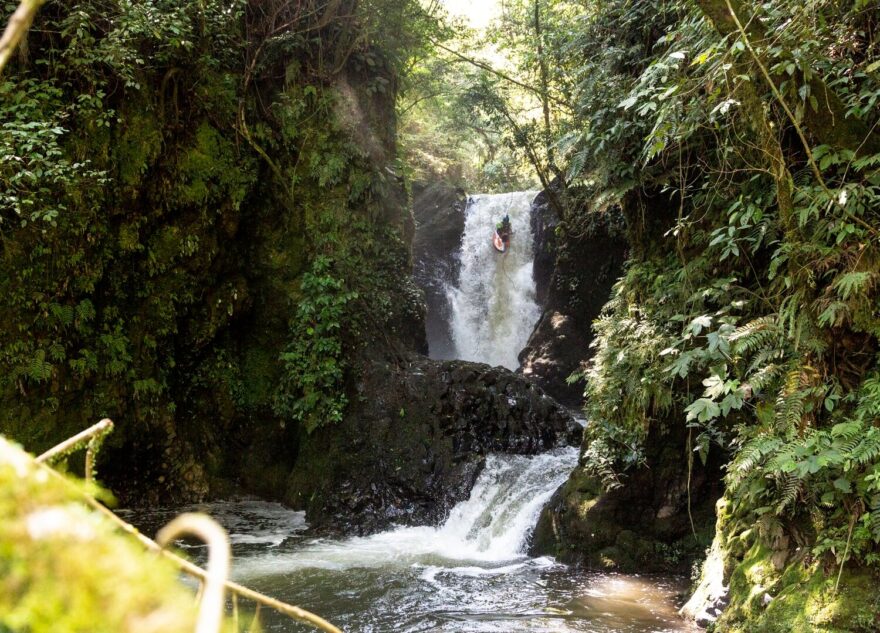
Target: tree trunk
{"points": [[545, 88]]}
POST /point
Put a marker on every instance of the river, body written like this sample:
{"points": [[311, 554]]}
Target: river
{"points": [[470, 574]]}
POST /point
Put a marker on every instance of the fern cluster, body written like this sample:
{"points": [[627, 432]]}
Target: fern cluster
{"points": [[750, 312]]}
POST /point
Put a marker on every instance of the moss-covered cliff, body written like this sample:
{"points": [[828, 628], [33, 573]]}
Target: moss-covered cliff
{"points": [[203, 229]]}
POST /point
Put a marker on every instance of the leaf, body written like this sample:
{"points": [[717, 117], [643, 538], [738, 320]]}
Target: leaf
{"points": [[681, 365], [702, 410], [714, 386], [629, 102], [843, 485], [696, 326], [731, 401], [850, 283]]}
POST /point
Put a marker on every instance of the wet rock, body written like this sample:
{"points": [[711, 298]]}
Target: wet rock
{"points": [[410, 456], [574, 268], [712, 593], [438, 209], [642, 526]]}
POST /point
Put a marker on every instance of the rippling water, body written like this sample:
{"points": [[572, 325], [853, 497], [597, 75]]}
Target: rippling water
{"points": [[468, 574]]}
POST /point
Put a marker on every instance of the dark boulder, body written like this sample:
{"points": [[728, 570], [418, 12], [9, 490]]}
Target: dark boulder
{"points": [[412, 446], [659, 520], [577, 260], [438, 209]]}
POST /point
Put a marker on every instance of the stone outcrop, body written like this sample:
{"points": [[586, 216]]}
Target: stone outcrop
{"points": [[412, 446], [438, 208], [575, 268], [644, 525]]}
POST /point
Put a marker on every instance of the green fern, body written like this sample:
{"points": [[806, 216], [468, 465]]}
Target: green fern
{"points": [[789, 487], [755, 335], [39, 369], [853, 283], [868, 449]]}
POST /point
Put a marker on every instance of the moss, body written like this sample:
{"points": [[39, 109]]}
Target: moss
{"points": [[138, 145], [766, 596], [259, 375], [211, 169], [802, 598], [63, 567], [190, 249]]}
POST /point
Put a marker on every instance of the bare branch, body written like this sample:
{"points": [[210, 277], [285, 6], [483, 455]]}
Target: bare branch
{"points": [[18, 25]]}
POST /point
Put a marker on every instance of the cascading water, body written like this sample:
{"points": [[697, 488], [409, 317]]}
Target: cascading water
{"points": [[490, 528], [472, 573], [493, 307], [469, 574]]}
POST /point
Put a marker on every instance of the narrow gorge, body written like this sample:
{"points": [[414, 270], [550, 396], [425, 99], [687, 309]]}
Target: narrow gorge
{"points": [[533, 315]]}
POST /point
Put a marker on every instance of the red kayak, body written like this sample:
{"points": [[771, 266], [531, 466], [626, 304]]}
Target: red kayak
{"points": [[501, 243]]}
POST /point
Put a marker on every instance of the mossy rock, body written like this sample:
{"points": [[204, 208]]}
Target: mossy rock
{"points": [[779, 589], [801, 598], [65, 568]]}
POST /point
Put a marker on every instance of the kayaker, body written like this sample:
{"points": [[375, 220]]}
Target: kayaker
{"points": [[503, 228]]}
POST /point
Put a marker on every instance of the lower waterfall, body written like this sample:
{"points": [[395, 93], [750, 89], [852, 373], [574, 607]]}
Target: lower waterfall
{"points": [[492, 526]]}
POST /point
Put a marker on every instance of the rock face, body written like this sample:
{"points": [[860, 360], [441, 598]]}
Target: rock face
{"points": [[413, 445], [643, 525], [438, 209], [575, 268]]}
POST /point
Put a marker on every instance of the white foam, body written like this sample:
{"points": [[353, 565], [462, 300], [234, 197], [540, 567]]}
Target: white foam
{"points": [[485, 534], [494, 308]]}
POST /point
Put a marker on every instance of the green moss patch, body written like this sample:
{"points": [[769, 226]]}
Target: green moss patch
{"points": [[63, 567]]}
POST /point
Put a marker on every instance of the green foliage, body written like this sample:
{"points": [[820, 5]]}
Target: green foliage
{"points": [[830, 475], [749, 310], [36, 178], [66, 568], [169, 172], [314, 363]]}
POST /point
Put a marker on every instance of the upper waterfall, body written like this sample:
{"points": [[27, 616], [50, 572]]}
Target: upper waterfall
{"points": [[493, 306]]}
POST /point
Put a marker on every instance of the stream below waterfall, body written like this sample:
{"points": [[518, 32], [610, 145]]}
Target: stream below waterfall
{"points": [[469, 574]]}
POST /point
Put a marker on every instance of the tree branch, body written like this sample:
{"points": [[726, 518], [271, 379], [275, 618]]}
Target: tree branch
{"points": [[18, 25], [498, 73]]}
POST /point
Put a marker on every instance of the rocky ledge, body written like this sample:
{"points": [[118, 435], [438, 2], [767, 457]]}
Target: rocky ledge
{"points": [[577, 261], [659, 520], [414, 448], [439, 213]]}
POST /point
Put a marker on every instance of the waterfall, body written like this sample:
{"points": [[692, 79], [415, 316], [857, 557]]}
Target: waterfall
{"points": [[489, 530], [493, 307]]}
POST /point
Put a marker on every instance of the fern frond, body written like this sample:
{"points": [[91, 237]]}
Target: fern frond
{"points": [[760, 377], [868, 449], [750, 457], [791, 402], [789, 487], [755, 335]]}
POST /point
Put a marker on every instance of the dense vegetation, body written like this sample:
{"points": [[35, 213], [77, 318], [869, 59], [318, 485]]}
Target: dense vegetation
{"points": [[182, 181], [757, 316], [201, 209]]}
